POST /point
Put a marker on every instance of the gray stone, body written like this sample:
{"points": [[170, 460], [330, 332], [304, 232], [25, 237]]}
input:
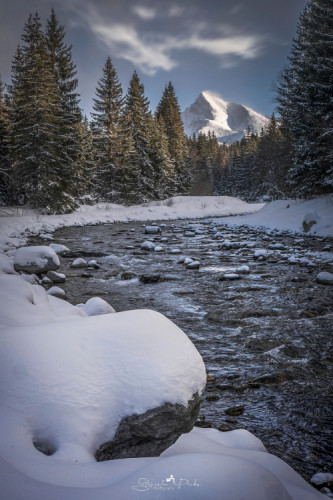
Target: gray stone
{"points": [[152, 230], [56, 277], [149, 434]]}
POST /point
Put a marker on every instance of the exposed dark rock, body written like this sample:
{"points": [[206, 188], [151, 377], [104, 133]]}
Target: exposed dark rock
{"points": [[235, 411], [127, 275], [212, 397], [149, 279], [269, 379], [149, 434]]}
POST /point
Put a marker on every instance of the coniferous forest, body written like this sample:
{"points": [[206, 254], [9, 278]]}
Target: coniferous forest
{"points": [[54, 158]]}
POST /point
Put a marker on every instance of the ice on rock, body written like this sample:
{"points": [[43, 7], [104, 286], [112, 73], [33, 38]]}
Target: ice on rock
{"points": [[36, 259], [56, 277], [96, 306]]}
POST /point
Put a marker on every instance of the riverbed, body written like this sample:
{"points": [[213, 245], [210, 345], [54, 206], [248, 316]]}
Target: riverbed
{"points": [[265, 336]]}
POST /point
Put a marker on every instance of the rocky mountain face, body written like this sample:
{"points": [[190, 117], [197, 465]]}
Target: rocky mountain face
{"points": [[228, 120]]}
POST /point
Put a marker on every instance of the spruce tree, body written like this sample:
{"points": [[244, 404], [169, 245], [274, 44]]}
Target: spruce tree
{"points": [[163, 166], [64, 71], [106, 131], [305, 100], [6, 189], [41, 164], [169, 109], [135, 126]]}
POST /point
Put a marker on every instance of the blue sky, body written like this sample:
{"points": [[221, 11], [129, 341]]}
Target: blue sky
{"points": [[235, 48]]}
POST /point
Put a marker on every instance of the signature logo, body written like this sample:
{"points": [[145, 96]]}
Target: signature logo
{"points": [[169, 483]]}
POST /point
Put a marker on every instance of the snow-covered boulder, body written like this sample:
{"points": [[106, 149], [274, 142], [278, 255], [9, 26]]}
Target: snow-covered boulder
{"points": [[96, 306], [36, 259], [147, 245], [309, 220], [244, 269], [93, 264], [79, 263], [56, 291], [260, 254], [195, 264], [59, 249], [56, 277], [152, 230], [325, 278]]}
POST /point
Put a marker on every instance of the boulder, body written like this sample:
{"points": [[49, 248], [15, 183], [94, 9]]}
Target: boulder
{"points": [[59, 249], [325, 278], [79, 263], [147, 245], [309, 220], [96, 306], [152, 230], [56, 277], [57, 292], [149, 434], [36, 260]]}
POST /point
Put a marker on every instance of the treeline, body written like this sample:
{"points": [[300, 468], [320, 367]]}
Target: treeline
{"points": [[252, 169], [52, 158], [293, 156]]}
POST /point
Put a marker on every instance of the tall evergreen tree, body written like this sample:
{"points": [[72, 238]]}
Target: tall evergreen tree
{"points": [[135, 126], [42, 167], [305, 100], [106, 131], [65, 77], [6, 191], [169, 109]]}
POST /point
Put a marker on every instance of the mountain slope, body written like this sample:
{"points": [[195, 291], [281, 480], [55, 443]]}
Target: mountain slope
{"points": [[228, 120]]}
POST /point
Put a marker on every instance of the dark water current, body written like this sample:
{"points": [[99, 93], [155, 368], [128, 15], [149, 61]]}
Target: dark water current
{"points": [[266, 338]]}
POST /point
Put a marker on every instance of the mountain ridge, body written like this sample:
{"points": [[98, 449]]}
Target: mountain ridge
{"points": [[228, 120]]}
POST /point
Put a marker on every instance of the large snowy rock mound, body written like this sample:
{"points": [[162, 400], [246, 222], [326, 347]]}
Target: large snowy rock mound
{"points": [[228, 120]]}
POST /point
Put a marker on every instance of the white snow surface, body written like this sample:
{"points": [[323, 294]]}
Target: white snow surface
{"points": [[288, 215], [228, 120], [69, 378]]}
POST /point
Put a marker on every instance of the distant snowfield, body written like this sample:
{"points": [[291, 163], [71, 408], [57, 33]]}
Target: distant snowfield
{"points": [[68, 378]]}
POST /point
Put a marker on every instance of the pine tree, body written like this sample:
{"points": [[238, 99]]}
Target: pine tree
{"points": [[163, 166], [305, 100], [106, 131], [64, 71], [6, 189], [169, 109], [41, 164], [135, 126]]}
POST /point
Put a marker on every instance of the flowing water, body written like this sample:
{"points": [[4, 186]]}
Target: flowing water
{"points": [[266, 338]]}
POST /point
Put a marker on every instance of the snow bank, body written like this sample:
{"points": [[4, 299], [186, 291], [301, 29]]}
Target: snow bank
{"points": [[15, 229], [290, 214]]}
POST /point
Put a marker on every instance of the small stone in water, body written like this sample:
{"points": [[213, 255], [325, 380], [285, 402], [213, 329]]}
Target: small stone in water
{"points": [[234, 411]]}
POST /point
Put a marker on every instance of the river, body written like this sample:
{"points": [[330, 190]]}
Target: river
{"points": [[266, 337]]}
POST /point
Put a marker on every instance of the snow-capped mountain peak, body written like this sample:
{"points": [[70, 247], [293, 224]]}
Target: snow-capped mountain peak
{"points": [[228, 120]]}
